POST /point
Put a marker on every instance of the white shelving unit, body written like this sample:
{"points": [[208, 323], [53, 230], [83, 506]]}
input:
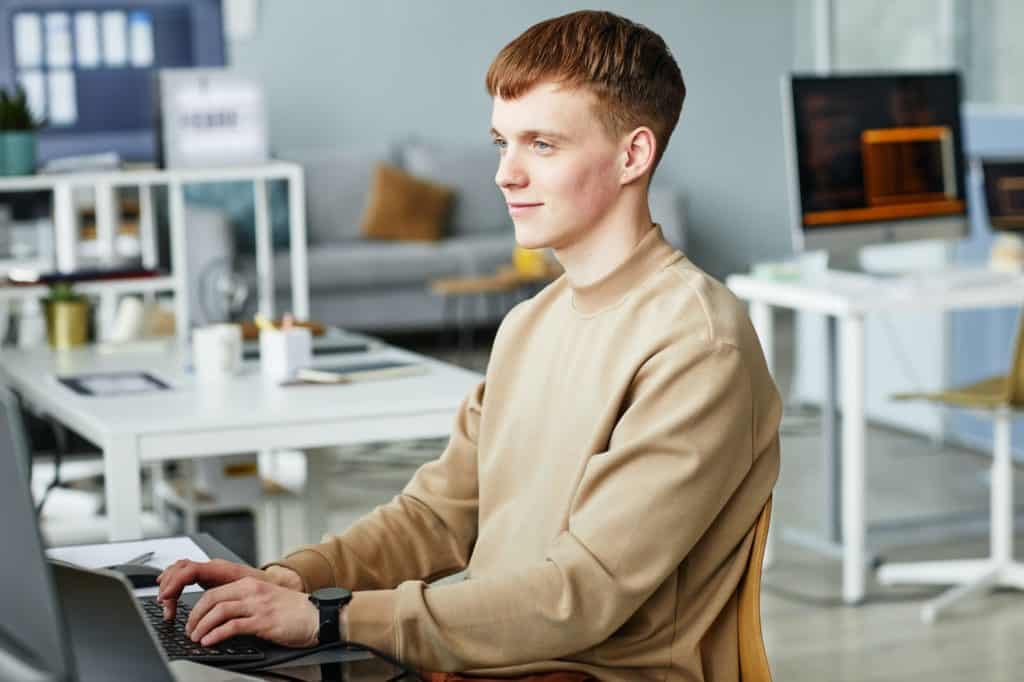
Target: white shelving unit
{"points": [[68, 248]]}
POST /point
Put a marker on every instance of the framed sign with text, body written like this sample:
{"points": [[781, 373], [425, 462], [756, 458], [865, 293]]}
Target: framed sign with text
{"points": [[210, 117]]}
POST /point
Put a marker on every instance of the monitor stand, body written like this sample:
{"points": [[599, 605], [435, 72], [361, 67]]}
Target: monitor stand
{"points": [[849, 261], [845, 261]]}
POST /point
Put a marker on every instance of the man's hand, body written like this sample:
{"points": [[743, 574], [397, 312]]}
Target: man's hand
{"points": [[212, 574], [251, 606]]}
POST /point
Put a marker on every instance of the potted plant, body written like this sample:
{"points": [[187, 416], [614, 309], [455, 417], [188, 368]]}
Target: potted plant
{"points": [[17, 134], [67, 316]]}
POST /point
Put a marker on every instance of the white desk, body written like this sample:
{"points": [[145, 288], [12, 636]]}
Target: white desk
{"points": [[243, 415], [848, 300]]}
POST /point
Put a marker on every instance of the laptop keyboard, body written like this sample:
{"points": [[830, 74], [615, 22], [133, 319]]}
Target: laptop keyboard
{"points": [[177, 645]]}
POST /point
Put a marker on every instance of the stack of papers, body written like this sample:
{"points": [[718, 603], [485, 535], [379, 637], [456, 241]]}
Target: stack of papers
{"points": [[165, 552]]}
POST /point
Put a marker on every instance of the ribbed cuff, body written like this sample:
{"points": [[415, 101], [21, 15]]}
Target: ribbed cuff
{"points": [[371, 620], [312, 566]]}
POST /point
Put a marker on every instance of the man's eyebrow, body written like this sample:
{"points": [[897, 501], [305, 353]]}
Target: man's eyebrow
{"points": [[529, 134]]}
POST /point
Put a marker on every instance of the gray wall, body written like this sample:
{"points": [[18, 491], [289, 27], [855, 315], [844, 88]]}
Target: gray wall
{"points": [[347, 72]]}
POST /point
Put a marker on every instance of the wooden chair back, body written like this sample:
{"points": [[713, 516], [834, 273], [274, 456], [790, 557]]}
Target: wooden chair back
{"points": [[753, 657]]}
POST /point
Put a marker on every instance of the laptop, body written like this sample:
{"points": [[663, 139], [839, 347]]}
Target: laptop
{"points": [[63, 623], [104, 636]]}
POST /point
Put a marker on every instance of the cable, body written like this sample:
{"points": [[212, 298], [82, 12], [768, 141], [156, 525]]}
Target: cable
{"points": [[284, 676], [281, 676], [258, 666], [60, 449], [900, 353]]}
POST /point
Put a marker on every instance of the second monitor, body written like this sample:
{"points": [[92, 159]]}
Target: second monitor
{"points": [[874, 159]]}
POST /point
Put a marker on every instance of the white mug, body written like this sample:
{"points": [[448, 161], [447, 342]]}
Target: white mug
{"points": [[217, 352]]}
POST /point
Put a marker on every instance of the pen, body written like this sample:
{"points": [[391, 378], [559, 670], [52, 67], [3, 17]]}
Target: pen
{"points": [[141, 559]]}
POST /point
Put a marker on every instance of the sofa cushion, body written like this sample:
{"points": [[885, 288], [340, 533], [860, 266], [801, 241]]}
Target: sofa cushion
{"points": [[337, 186], [469, 169], [366, 265], [403, 207]]}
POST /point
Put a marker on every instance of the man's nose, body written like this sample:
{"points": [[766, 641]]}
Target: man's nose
{"points": [[510, 171]]}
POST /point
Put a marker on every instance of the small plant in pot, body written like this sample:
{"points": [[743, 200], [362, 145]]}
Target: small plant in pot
{"points": [[17, 134], [67, 316]]}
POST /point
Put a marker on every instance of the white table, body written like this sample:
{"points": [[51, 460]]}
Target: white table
{"points": [[243, 415], [104, 184], [848, 299]]}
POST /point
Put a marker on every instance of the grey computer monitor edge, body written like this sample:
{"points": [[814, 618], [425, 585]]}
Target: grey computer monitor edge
{"points": [[29, 605], [844, 241]]}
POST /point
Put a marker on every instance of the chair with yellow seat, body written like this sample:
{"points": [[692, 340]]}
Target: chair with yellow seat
{"points": [[999, 397], [753, 658]]}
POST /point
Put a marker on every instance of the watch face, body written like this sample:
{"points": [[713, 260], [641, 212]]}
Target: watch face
{"points": [[332, 595]]}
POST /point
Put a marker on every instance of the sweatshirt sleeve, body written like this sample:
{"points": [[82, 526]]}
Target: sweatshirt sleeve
{"points": [[683, 444], [425, 532]]}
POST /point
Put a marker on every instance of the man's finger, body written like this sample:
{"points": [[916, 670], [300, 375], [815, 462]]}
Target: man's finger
{"points": [[175, 579], [232, 628], [231, 592], [173, 582], [168, 574], [221, 613]]}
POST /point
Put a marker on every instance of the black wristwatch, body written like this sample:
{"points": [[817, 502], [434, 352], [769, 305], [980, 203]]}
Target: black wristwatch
{"points": [[328, 601]]}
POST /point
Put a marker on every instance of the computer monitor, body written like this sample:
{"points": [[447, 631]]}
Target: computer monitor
{"points": [[1004, 194], [874, 158], [89, 67]]}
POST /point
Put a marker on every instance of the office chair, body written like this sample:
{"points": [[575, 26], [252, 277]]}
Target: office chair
{"points": [[998, 397], [753, 658]]}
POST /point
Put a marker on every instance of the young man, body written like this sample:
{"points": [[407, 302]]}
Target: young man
{"points": [[601, 484]]}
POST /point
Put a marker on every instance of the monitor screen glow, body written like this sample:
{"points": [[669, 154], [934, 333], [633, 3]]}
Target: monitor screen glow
{"points": [[874, 158]]}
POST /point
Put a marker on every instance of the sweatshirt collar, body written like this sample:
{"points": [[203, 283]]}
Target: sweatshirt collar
{"points": [[652, 254]]}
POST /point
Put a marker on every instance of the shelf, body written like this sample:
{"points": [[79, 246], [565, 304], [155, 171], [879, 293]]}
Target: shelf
{"points": [[141, 285], [128, 178]]}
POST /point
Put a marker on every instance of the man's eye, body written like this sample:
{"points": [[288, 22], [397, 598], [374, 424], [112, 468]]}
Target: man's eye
{"points": [[541, 146], [499, 143]]}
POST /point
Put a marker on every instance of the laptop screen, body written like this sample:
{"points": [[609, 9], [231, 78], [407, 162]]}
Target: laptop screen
{"points": [[31, 628]]}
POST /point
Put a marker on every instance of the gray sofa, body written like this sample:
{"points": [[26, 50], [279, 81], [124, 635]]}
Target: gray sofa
{"points": [[373, 285]]}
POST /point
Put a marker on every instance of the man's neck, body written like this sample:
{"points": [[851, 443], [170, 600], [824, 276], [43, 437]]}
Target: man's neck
{"points": [[606, 245]]}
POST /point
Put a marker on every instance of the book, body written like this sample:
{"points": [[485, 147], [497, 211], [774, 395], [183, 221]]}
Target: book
{"points": [[363, 371]]}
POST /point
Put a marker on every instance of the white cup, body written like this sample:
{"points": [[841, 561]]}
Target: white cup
{"points": [[284, 351], [217, 352]]}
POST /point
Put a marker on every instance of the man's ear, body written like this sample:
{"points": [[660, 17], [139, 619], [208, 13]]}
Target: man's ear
{"points": [[640, 146]]}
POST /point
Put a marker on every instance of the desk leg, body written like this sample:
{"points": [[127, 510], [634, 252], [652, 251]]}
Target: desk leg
{"points": [[317, 473], [853, 459], [764, 324], [122, 477], [830, 434]]}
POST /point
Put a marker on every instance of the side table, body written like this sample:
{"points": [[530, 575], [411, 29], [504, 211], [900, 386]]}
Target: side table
{"points": [[498, 292]]}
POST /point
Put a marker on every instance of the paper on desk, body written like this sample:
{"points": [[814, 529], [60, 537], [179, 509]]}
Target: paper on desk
{"points": [[165, 552]]}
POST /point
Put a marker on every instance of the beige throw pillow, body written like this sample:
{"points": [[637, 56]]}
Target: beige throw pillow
{"points": [[404, 207]]}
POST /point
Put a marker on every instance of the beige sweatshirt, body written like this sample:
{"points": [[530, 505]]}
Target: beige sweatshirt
{"points": [[600, 486]]}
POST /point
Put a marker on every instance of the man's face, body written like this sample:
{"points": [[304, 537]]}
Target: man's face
{"points": [[559, 169]]}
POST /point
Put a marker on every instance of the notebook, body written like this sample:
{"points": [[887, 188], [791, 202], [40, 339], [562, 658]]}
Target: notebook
{"points": [[361, 371]]}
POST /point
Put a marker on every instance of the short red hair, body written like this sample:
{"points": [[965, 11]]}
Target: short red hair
{"points": [[628, 67]]}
